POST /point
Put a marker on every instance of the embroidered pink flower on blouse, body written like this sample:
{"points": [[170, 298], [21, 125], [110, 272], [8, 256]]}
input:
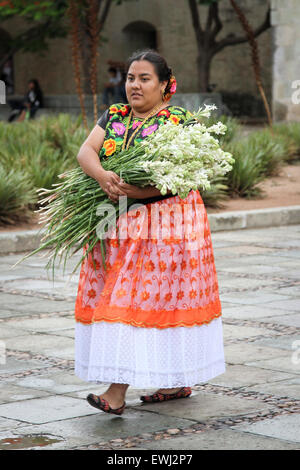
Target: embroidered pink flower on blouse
{"points": [[135, 124], [119, 128], [149, 130]]}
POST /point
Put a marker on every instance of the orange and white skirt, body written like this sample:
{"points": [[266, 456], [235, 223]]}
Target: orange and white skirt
{"points": [[153, 317]]}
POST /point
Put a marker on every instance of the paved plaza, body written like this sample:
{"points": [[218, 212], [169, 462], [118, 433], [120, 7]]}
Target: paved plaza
{"points": [[253, 405]]}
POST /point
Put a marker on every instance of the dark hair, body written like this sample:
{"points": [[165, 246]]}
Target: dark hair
{"points": [[112, 69], [38, 91], [162, 69]]}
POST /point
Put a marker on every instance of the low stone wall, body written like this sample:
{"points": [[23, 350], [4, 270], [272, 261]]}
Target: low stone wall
{"points": [[70, 103], [243, 106]]}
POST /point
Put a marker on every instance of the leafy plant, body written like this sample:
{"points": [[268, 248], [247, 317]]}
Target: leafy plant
{"points": [[232, 124], [17, 195], [289, 133], [270, 149], [247, 171], [218, 192], [34, 153]]}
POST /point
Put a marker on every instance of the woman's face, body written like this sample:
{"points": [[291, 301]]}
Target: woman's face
{"points": [[143, 88]]}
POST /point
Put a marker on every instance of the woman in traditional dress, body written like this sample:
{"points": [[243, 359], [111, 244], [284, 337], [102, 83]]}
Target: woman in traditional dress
{"points": [[153, 317]]}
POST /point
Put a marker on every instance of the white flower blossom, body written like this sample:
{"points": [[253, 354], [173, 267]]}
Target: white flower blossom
{"points": [[186, 157]]}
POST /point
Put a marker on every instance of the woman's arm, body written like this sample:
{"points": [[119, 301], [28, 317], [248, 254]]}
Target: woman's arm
{"points": [[110, 182], [88, 159], [151, 191], [88, 153], [135, 192]]}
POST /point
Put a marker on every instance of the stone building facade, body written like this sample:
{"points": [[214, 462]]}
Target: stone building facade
{"points": [[286, 59], [167, 25]]}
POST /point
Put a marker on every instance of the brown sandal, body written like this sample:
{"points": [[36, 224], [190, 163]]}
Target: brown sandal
{"points": [[184, 392], [102, 404]]}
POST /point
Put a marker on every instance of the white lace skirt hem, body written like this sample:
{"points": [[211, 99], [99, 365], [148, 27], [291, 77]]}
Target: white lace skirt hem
{"points": [[149, 357]]}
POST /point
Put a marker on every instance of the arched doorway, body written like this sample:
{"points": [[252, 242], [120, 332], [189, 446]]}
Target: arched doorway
{"points": [[6, 65], [139, 35]]}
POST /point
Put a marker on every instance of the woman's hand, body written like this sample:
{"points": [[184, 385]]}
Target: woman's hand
{"points": [[115, 187], [131, 191], [136, 192], [109, 182]]}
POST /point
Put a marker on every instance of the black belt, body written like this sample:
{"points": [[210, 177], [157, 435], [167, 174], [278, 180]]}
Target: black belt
{"points": [[155, 198]]}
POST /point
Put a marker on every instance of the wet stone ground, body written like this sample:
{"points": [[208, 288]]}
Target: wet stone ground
{"points": [[253, 405]]}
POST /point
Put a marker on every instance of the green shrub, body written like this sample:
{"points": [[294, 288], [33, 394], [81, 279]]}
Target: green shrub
{"points": [[39, 151], [259, 155], [232, 124], [17, 196], [35, 152], [247, 171], [290, 134], [64, 133], [218, 192], [271, 150], [43, 148]]}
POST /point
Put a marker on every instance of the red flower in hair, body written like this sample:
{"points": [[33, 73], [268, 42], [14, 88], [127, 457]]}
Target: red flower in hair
{"points": [[173, 85], [172, 90]]}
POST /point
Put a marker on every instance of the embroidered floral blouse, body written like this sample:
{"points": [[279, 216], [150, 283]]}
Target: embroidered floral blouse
{"points": [[114, 121], [115, 118]]}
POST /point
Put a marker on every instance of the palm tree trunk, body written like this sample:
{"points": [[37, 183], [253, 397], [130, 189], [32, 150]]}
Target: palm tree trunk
{"points": [[75, 46], [254, 55]]}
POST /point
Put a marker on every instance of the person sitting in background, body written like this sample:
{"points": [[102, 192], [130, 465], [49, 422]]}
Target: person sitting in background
{"points": [[7, 77], [112, 86], [32, 101]]}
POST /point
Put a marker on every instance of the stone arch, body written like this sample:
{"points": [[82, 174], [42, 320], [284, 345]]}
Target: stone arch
{"points": [[139, 35]]}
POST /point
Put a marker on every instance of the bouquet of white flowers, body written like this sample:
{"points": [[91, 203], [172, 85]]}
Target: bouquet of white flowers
{"points": [[186, 156], [179, 158]]}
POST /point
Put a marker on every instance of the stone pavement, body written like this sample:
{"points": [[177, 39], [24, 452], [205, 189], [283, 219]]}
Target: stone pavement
{"points": [[253, 405]]}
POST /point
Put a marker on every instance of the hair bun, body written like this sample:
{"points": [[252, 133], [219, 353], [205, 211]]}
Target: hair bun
{"points": [[170, 88]]}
